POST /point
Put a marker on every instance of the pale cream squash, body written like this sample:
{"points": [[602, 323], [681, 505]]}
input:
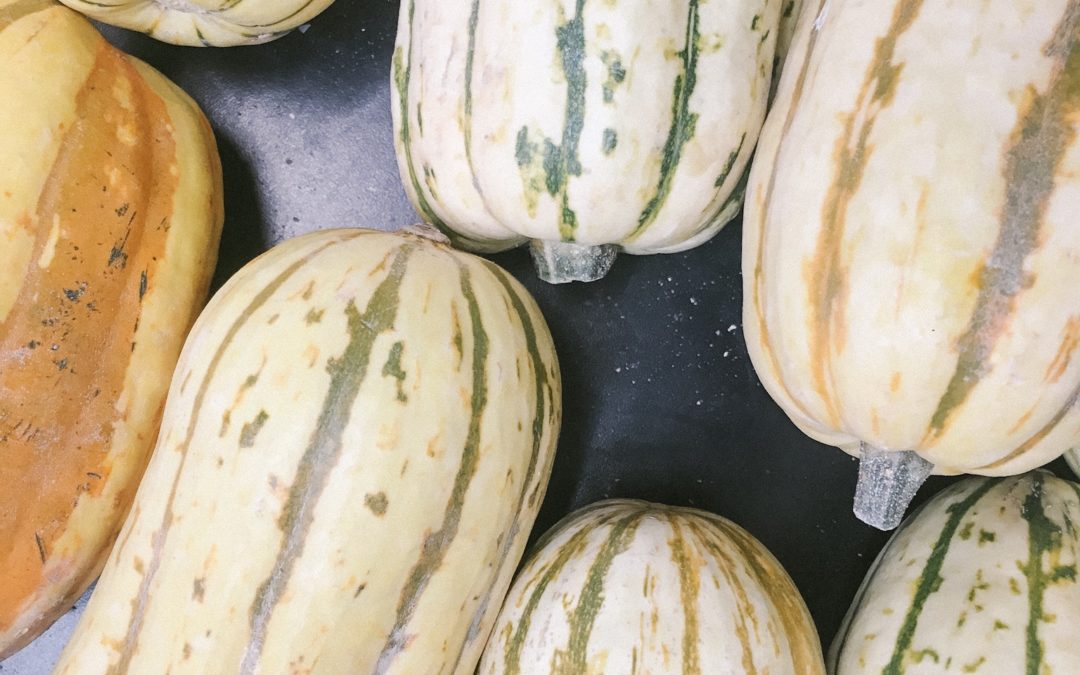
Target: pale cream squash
{"points": [[356, 442], [625, 586], [982, 579], [588, 127], [911, 255]]}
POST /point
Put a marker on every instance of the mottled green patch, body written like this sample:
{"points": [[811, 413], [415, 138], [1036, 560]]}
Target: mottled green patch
{"points": [[347, 373], [756, 22], [541, 416], [974, 665], [377, 502], [431, 182], [965, 533], [561, 161], [1014, 586], [930, 580], [531, 166], [611, 139], [572, 660], [683, 121], [470, 54], [392, 368], [314, 316], [437, 543], [567, 552], [251, 429], [1044, 548], [616, 74], [1000, 625], [979, 585], [986, 537], [924, 654], [729, 164]]}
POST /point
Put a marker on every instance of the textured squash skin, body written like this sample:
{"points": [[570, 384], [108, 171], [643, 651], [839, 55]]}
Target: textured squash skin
{"points": [[983, 578], [354, 448], [110, 217], [627, 123], [626, 586], [910, 249], [205, 23]]}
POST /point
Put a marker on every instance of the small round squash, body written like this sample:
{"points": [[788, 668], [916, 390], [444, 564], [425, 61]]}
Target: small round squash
{"points": [[627, 586]]}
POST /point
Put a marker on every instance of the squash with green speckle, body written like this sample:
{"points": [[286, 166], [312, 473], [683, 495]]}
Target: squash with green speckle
{"points": [[626, 586], [587, 127], [355, 445], [981, 579]]}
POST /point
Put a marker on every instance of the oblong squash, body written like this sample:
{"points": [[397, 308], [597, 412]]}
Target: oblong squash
{"points": [[910, 249], [205, 23], [110, 217], [982, 579], [587, 127], [625, 586], [354, 449]]}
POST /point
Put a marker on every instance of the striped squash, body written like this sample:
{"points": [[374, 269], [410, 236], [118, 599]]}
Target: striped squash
{"points": [[587, 127], [910, 247], [205, 23], [110, 216], [627, 586], [983, 579], [354, 449], [1072, 458]]}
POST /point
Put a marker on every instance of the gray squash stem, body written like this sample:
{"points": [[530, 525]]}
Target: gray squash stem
{"points": [[560, 262], [888, 481]]}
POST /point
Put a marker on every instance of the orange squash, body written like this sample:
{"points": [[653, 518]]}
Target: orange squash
{"points": [[110, 216]]}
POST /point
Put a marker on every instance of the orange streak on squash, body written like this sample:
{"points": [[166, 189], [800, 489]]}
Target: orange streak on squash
{"points": [[1064, 354], [765, 339], [826, 273], [65, 347]]}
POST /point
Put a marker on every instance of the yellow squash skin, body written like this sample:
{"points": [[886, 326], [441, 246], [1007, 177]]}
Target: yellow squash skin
{"points": [[110, 216], [911, 254], [205, 23], [355, 445], [625, 586]]}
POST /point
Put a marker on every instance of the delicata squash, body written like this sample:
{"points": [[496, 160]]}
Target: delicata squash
{"points": [[110, 217], [585, 128], [355, 446], [911, 254]]}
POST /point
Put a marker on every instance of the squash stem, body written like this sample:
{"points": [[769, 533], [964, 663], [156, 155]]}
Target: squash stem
{"points": [[888, 481], [560, 262]]}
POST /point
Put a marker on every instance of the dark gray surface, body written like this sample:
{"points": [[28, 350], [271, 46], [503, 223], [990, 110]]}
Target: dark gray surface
{"points": [[660, 403]]}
